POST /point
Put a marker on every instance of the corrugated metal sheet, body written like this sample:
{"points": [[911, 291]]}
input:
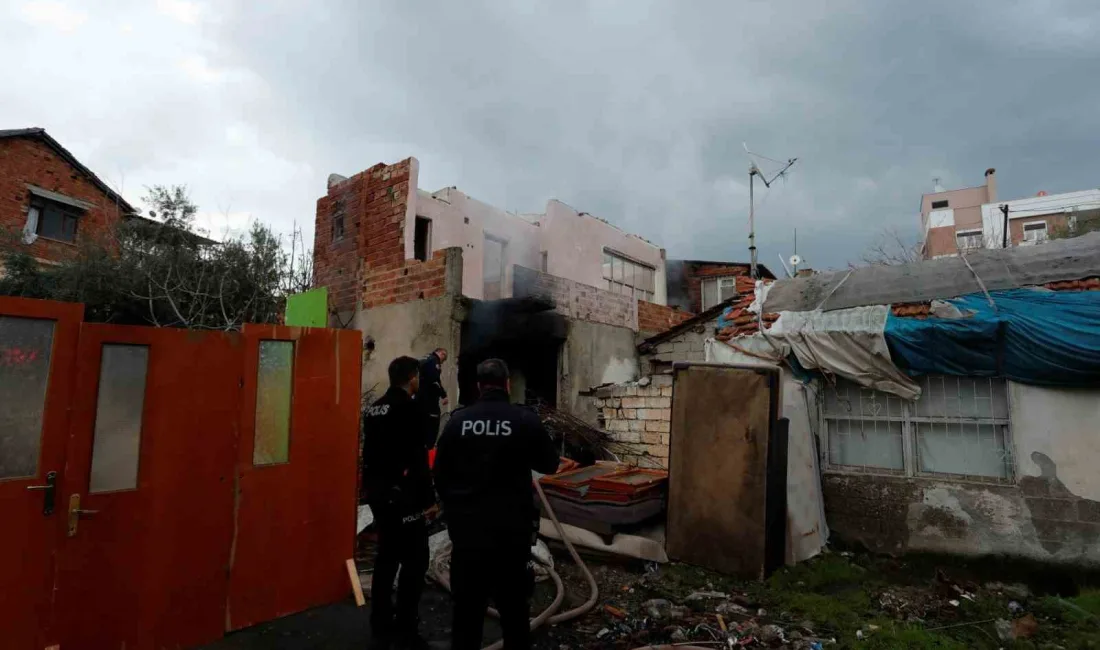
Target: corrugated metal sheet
{"points": [[949, 277]]}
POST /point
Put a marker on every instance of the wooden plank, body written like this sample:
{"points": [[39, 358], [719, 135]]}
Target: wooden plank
{"points": [[721, 418], [356, 585]]}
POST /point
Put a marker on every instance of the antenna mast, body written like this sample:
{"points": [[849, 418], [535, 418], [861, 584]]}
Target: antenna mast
{"points": [[754, 171]]}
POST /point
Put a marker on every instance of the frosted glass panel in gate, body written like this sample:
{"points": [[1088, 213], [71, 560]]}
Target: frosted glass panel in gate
{"points": [[274, 392], [25, 346], [120, 403]]}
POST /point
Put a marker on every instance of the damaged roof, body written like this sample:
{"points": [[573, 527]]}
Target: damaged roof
{"points": [[38, 133], [949, 277], [746, 288]]}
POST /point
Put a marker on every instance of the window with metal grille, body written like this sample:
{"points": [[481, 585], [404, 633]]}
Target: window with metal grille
{"points": [[625, 276], [958, 427], [939, 205]]}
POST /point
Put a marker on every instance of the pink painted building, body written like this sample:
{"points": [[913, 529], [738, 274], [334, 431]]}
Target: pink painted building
{"points": [[952, 219]]}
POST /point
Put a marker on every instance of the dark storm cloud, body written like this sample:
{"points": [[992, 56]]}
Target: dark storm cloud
{"points": [[633, 110]]}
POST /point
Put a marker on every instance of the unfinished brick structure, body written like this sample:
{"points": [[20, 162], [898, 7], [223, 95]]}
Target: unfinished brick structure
{"points": [[653, 318], [359, 243], [577, 300], [33, 164]]}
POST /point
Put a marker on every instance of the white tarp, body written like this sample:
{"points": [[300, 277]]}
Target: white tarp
{"points": [[850, 343], [807, 531]]}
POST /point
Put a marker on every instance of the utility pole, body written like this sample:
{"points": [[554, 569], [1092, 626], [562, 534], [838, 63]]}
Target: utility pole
{"points": [[1004, 236], [754, 171]]}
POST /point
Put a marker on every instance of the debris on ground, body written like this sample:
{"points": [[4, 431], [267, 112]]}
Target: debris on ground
{"points": [[836, 600]]}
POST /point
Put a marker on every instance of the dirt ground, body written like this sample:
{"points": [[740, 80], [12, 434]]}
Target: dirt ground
{"points": [[838, 600]]}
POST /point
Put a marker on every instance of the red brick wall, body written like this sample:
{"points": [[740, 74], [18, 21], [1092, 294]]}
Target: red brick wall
{"points": [[654, 318], [26, 160], [694, 274], [367, 267], [573, 299]]}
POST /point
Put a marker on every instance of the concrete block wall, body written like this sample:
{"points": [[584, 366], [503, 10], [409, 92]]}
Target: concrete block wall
{"points": [[688, 346], [638, 417], [576, 300]]}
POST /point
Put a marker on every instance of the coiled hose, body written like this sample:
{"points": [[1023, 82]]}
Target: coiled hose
{"points": [[548, 615]]}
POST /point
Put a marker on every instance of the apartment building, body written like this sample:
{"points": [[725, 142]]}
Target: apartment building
{"points": [[972, 218]]}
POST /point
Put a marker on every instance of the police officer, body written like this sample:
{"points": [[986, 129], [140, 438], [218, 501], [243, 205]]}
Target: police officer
{"points": [[399, 490], [483, 474], [432, 395]]}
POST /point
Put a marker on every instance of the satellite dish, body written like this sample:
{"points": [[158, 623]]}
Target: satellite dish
{"points": [[795, 260]]}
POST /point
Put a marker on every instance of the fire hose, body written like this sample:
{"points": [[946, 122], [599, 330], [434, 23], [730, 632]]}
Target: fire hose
{"points": [[549, 615]]}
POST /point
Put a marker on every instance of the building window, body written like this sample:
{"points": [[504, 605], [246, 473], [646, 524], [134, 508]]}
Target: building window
{"points": [[1035, 232], [625, 276], [54, 220], [338, 221], [422, 239], [939, 205], [716, 290], [968, 239], [959, 427], [493, 272]]}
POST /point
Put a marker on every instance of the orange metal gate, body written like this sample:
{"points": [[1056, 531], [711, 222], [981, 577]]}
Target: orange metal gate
{"points": [[175, 457]]}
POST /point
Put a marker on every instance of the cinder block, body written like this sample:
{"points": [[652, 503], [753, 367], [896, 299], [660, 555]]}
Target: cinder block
{"points": [[600, 403], [660, 451], [666, 391], [629, 437], [628, 414], [651, 438], [610, 413], [653, 425], [662, 380], [666, 439], [658, 402], [618, 425], [633, 402], [637, 425], [615, 402]]}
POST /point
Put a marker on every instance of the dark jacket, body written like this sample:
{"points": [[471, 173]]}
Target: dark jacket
{"points": [[395, 464], [431, 385], [483, 470]]}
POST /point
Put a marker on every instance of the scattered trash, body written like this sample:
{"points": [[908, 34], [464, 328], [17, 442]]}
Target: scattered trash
{"points": [[602, 633], [614, 611], [705, 595], [954, 603], [872, 628], [1025, 627], [677, 636], [1016, 590], [658, 608], [761, 612], [731, 608], [772, 633], [1015, 607], [859, 634], [1004, 630]]}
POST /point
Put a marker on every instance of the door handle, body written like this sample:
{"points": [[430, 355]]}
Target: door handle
{"points": [[50, 493], [75, 512]]}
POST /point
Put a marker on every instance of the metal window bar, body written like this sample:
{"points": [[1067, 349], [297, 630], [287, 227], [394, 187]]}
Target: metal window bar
{"points": [[969, 415]]}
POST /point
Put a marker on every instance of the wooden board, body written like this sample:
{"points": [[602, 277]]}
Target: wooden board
{"points": [[721, 422]]}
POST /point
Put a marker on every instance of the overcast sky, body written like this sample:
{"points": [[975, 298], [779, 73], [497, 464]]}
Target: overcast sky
{"points": [[632, 110]]}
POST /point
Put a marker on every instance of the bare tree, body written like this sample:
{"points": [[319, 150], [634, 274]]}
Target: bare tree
{"points": [[891, 248]]}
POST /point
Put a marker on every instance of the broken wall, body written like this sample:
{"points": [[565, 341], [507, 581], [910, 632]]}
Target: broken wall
{"points": [[575, 300], [1050, 511], [593, 354], [637, 415]]}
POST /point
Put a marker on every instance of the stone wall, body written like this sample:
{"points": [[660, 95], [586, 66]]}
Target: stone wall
{"points": [[638, 417]]}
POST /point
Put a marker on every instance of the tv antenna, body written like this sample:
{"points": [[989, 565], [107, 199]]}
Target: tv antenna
{"points": [[754, 171]]}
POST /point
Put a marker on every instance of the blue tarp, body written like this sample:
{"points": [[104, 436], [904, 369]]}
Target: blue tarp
{"points": [[1034, 336]]}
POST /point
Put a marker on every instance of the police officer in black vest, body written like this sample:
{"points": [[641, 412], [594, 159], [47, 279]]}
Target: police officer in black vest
{"points": [[483, 470], [399, 490]]}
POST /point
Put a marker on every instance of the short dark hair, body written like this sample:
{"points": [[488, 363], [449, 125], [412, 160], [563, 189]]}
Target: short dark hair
{"points": [[402, 370], [492, 372]]}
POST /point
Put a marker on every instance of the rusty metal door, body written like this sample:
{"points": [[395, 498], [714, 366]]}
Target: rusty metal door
{"points": [[37, 347], [147, 502], [722, 417], [297, 465]]}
